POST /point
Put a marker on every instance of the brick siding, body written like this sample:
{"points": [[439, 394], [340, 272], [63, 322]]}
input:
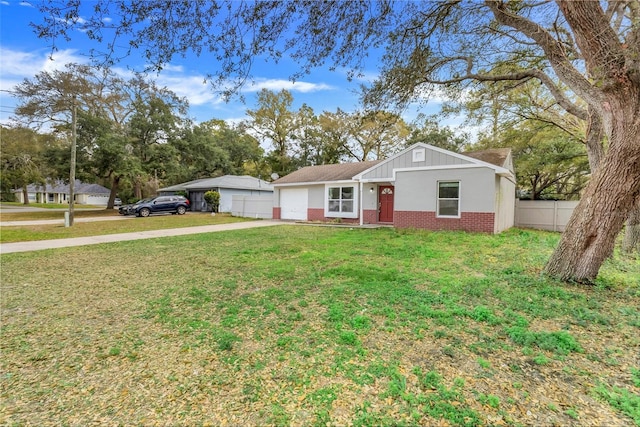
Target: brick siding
{"points": [[482, 222], [277, 212], [315, 214], [370, 216]]}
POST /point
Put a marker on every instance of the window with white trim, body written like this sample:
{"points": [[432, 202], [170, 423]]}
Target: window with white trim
{"points": [[341, 199], [449, 198]]}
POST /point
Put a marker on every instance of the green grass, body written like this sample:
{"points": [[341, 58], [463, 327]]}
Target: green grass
{"points": [[316, 326], [24, 233]]}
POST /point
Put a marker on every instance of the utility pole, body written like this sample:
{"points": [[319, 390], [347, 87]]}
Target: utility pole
{"points": [[72, 172]]}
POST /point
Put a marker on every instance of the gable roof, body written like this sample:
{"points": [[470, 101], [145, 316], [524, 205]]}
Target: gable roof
{"points": [[59, 187], [495, 156], [326, 173], [465, 159], [235, 182]]}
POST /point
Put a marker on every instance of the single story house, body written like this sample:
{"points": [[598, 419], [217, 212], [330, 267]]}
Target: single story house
{"points": [[421, 187], [58, 192], [227, 185]]}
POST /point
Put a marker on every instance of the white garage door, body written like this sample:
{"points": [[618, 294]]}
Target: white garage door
{"points": [[293, 203], [94, 199]]}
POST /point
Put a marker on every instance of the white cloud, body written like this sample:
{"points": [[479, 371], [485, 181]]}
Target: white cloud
{"points": [[194, 88], [19, 65], [279, 84]]}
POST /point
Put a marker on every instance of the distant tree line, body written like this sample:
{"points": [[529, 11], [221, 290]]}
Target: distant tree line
{"points": [[135, 137]]}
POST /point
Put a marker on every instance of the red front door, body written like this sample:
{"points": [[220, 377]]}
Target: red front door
{"points": [[385, 203]]}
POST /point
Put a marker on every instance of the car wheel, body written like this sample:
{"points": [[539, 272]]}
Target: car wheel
{"points": [[144, 212], [181, 210]]}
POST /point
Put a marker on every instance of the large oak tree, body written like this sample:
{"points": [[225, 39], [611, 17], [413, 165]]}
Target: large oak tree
{"points": [[591, 47]]}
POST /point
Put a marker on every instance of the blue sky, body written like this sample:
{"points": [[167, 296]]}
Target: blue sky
{"points": [[23, 55]]}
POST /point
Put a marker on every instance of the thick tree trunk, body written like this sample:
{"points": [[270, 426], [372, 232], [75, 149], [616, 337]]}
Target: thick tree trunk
{"points": [[114, 191], [631, 241], [595, 137], [606, 203]]}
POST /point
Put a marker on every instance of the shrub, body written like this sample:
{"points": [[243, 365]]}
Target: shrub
{"points": [[213, 199]]}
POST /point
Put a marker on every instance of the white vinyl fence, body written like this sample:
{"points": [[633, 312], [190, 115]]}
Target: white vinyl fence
{"points": [[252, 206], [544, 214]]}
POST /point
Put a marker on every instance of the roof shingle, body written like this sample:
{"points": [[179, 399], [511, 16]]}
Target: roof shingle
{"points": [[495, 156], [326, 173]]}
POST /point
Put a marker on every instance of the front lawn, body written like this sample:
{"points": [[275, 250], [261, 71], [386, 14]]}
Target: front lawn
{"points": [[300, 325]]}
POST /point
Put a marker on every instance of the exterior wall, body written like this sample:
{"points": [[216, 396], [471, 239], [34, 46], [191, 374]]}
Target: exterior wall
{"points": [[416, 200], [544, 214], [276, 198], [316, 197], [276, 212], [370, 216], [478, 222], [370, 199], [417, 190], [505, 204], [252, 206], [81, 199], [314, 214], [406, 160], [226, 197], [198, 204]]}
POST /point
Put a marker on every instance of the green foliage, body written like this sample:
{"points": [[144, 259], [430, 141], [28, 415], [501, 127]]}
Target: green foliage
{"points": [[635, 375], [621, 399], [560, 342], [213, 199], [549, 163], [441, 402], [23, 157], [430, 132]]}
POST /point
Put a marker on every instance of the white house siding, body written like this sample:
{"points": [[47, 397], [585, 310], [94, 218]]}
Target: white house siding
{"points": [[294, 203], [316, 197], [505, 204], [405, 160], [417, 190], [370, 196], [415, 201]]}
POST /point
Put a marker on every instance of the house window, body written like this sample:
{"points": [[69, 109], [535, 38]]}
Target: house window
{"points": [[341, 201], [449, 198]]}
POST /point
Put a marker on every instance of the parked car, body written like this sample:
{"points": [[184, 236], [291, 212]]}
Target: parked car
{"points": [[117, 202], [126, 209], [154, 205]]}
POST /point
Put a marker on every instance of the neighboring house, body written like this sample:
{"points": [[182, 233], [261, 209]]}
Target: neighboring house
{"points": [[227, 185], [58, 192], [421, 187]]}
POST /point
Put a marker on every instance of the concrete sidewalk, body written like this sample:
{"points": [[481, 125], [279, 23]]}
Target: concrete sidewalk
{"points": [[61, 221], [6, 248]]}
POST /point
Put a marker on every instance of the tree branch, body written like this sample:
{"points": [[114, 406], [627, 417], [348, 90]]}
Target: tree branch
{"points": [[552, 49], [560, 98]]}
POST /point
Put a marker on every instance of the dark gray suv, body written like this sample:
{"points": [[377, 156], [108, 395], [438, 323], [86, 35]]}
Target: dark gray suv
{"points": [[155, 205]]}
